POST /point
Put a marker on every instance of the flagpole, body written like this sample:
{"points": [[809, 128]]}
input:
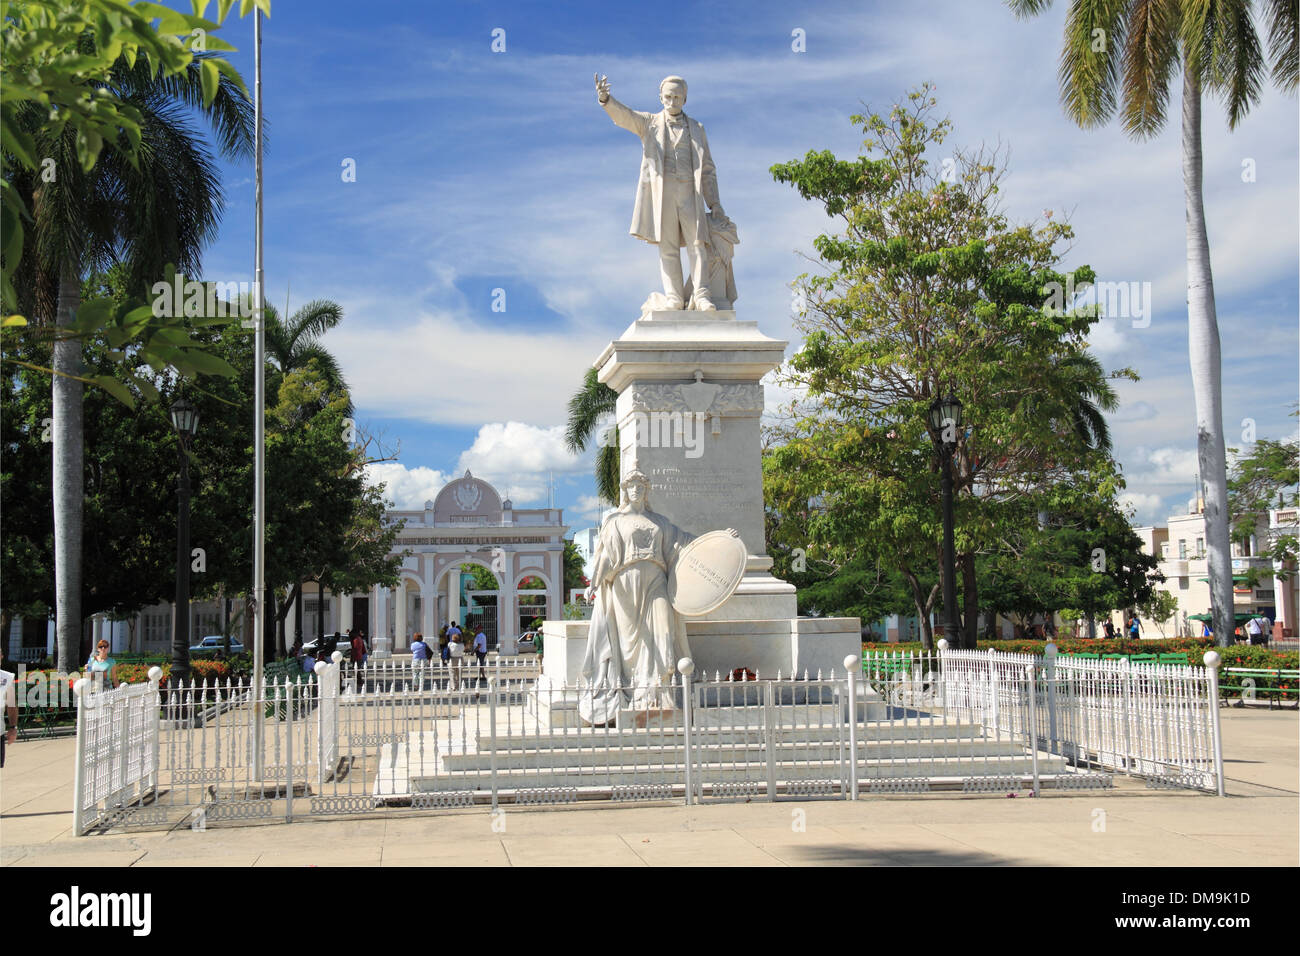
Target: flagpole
{"points": [[259, 419]]}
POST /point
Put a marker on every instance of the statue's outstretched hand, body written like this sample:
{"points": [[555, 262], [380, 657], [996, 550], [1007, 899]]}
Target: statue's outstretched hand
{"points": [[602, 87]]}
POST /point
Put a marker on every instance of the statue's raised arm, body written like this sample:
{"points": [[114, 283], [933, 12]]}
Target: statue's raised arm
{"points": [[602, 88]]}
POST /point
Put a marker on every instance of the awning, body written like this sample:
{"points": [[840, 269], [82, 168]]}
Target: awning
{"points": [[1235, 578], [1240, 618]]}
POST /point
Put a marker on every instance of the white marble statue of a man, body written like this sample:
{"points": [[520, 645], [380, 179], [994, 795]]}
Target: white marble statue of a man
{"points": [[677, 189], [635, 636]]}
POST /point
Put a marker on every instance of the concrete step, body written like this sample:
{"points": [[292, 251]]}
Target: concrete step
{"points": [[658, 736], [583, 777], [754, 752]]}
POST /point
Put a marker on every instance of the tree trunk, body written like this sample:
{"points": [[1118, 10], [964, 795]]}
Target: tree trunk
{"points": [[924, 604], [6, 619], [1206, 363], [291, 600], [68, 476]]}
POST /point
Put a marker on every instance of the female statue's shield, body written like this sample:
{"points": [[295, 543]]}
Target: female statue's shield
{"points": [[707, 572]]}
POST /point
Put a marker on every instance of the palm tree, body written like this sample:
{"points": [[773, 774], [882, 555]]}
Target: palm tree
{"points": [[588, 406], [295, 344], [1130, 51], [161, 211]]}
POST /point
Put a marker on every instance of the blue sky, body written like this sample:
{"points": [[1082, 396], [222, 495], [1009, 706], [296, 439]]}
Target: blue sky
{"points": [[479, 171]]}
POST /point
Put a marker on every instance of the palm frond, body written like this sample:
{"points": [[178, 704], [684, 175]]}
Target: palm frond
{"points": [[608, 464], [1028, 8], [1150, 57], [593, 401], [314, 319], [1090, 61], [1238, 68], [1284, 42]]}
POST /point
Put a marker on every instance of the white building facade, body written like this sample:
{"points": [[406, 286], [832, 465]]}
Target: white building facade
{"points": [[1180, 546]]}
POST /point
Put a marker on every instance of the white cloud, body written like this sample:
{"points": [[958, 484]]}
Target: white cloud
{"points": [[589, 508], [1148, 509], [518, 459], [407, 488]]}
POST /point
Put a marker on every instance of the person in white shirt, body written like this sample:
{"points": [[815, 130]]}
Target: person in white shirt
{"points": [[456, 650]]}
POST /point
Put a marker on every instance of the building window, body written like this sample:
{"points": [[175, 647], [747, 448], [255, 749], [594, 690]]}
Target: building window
{"points": [[157, 628], [1182, 549], [1183, 584], [1200, 547]]}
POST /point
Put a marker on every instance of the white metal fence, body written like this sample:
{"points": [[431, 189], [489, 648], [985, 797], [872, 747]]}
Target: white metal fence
{"points": [[117, 749], [1156, 721], [348, 740]]}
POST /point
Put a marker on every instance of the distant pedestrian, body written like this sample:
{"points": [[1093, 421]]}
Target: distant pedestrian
{"points": [[1108, 629], [455, 653], [480, 651], [1134, 629], [1206, 630], [419, 649], [1256, 630]]}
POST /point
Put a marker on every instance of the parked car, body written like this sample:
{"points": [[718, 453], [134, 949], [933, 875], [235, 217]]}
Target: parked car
{"points": [[215, 644], [526, 644], [332, 643]]}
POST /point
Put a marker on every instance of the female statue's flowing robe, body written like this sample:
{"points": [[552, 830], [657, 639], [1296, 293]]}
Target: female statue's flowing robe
{"points": [[635, 636]]}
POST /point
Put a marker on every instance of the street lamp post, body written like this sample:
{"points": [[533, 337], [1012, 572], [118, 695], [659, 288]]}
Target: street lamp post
{"points": [[185, 419], [945, 420]]}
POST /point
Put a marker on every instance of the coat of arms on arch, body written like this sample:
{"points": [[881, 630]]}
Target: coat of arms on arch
{"points": [[468, 494]]}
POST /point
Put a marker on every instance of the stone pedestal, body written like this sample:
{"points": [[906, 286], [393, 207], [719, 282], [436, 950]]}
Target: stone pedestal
{"points": [[690, 400], [689, 404]]}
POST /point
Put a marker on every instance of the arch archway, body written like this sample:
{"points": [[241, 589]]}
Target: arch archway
{"points": [[482, 606]]}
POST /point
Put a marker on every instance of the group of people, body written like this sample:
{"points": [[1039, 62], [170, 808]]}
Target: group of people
{"points": [[1134, 628], [451, 650]]}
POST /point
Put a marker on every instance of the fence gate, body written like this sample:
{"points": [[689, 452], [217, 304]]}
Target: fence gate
{"points": [[769, 739]]}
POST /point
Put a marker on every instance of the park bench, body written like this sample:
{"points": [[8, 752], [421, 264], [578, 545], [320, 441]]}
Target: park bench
{"points": [[1246, 681], [887, 665]]}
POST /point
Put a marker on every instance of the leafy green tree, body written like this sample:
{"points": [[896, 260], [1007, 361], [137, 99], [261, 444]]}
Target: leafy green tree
{"points": [[574, 579], [927, 290], [1267, 478], [56, 53], [145, 208], [294, 343], [1125, 55], [1159, 606]]}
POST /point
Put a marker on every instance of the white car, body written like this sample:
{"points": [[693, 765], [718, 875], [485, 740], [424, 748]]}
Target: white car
{"points": [[214, 644]]}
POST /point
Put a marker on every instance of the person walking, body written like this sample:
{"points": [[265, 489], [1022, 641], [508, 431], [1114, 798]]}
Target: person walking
{"points": [[358, 643], [1134, 628], [420, 657], [480, 651], [1108, 629], [455, 653], [1256, 629]]}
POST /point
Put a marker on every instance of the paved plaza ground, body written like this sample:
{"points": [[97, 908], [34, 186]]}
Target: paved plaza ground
{"points": [[1257, 824]]}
